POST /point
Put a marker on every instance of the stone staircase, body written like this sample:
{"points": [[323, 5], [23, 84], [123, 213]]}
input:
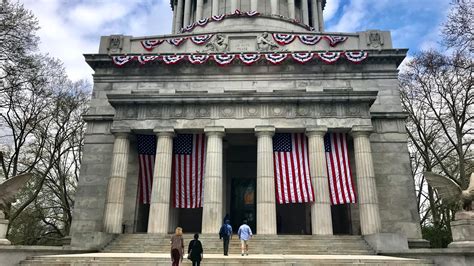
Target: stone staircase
{"points": [[281, 244]]}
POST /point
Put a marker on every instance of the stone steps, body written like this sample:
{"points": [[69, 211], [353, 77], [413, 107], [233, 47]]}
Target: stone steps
{"points": [[145, 259]]}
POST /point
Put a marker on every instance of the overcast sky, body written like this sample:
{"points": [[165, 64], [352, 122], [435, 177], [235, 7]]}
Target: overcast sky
{"points": [[70, 28]]}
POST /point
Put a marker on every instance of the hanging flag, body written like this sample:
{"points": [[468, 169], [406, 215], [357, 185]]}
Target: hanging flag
{"points": [[189, 152], [146, 161], [291, 168], [341, 185]]}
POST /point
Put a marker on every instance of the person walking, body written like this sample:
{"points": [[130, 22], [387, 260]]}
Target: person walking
{"points": [[225, 233], [244, 233], [177, 246], [195, 252]]}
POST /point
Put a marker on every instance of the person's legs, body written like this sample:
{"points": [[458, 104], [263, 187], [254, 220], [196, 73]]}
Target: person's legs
{"points": [[226, 245], [243, 243], [247, 248], [175, 257]]}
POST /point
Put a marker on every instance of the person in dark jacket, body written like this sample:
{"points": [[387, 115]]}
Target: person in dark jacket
{"points": [[195, 252], [225, 233]]}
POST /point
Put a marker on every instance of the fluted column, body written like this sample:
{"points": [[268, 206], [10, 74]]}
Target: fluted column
{"points": [[213, 181], [321, 220], [215, 7], [187, 13], [179, 16], [320, 15], [113, 214], [254, 5], [233, 5], [291, 9], [366, 187], [304, 8], [199, 7], [274, 7], [266, 208], [315, 14], [159, 215]]}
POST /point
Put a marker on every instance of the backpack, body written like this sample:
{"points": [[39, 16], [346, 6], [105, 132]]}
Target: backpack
{"points": [[224, 231]]}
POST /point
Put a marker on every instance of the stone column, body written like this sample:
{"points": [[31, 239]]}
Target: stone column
{"points": [[187, 13], [253, 5], [274, 7], [321, 220], [179, 16], [320, 16], [213, 181], [266, 209], [304, 8], [199, 6], [315, 17], [366, 188], [215, 7], [113, 214], [173, 26], [291, 9], [233, 6], [159, 216]]}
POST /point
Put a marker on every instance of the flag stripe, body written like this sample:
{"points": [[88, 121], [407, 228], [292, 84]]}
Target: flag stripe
{"points": [[146, 147]]}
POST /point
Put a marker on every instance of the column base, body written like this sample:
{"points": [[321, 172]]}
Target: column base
{"points": [[387, 242]]}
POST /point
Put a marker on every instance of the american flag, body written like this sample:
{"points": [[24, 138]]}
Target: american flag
{"points": [[189, 154], [341, 185], [146, 160], [291, 168]]}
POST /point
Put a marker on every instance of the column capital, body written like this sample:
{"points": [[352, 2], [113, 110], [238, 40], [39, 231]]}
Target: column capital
{"points": [[215, 131], [316, 131], [121, 131], [361, 131], [164, 131], [264, 131]]}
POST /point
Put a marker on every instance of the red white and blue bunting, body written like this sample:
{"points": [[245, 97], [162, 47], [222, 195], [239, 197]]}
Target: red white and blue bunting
{"points": [[283, 39], [329, 57], [335, 40], [276, 58], [176, 41], [252, 13], [218, 18], [172, 59], [302, 57], [202, 22], [249, 59], [237, 12], [149, 45], [355, 57], [198, 59], [201, 39], [309, 39], [224, 59]]}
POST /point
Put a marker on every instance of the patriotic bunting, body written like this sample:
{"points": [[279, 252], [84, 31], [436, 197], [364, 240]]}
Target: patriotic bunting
{"points": [[249, 59], [172, 59], [329, 57], [202, 22], [122, 60], [283, 39], [224, 59], [201, 39], [356, 57], [149, 45], [291, 168], [143, 59], [237, 12], [341, 185], [198, 59], [335, 40], [189, 155], [276, 58], [252, 13], [146, 161], [189, 27], [176, 41], [309, 39], [302, 57], [218, 17]]}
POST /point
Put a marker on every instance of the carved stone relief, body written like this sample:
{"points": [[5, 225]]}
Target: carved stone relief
{"points": [[220, 44], [265, 44], [375, 39], [115, 44]]}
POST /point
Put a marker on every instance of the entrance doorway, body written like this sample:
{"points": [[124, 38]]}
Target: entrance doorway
{"points": [[294, 219], [341, 219], [243, 203]]}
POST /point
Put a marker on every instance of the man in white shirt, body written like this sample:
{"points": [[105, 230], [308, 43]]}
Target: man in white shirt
{"points": [[245, 233]]}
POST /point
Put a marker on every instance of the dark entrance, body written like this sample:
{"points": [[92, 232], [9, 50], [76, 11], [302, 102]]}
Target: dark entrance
{"points": [[243, 203], [294, 218], [341, 219]]}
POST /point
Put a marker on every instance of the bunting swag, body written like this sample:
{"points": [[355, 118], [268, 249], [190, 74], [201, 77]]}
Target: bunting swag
{"points": [[143, 59], [218, 18], [122, 60], [335, 40], [146, 161], [198, 59], [356, 57], [309, 39], [341, 185], [172, 59], [202, 22], [249, 59], [283, 39], [329, 57], [176, 41], [291, 169], [302, 57], [201, 39], [252, 13], [149, 45], [276, 58], [224, 59], [189, 155]]}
